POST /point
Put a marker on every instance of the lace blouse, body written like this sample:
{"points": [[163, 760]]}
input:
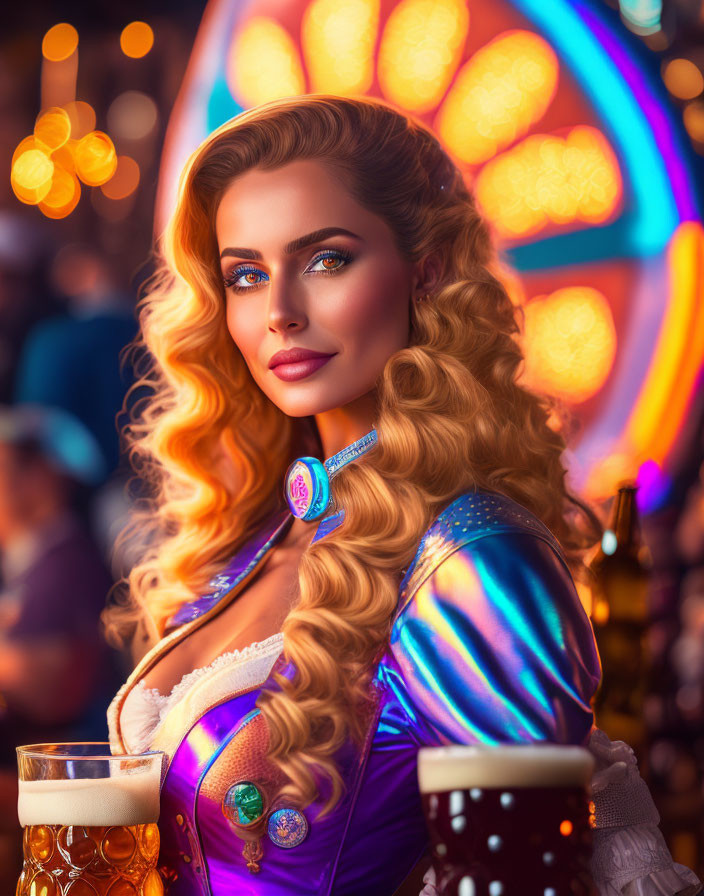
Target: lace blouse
{"points": [[145, 708]]}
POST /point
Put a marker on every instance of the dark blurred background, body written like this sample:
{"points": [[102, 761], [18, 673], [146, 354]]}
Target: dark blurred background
{"points": [[70, 274]]}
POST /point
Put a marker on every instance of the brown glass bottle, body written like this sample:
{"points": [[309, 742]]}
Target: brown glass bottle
{"points": [[620, 617]]}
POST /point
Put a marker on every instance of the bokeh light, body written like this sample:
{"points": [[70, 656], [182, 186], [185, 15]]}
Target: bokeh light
{"points": [[124, 181], [82, 118], [570, 342], [24, 145], [250, 81], [337, 40], [683, 79], [63, 196], [132, 115], [136, 39], [63, 156], [499, 93], [53, 129], [547, 179], [95, 158], [420, 48], [31, 176], [59, 42], [694, 120]]}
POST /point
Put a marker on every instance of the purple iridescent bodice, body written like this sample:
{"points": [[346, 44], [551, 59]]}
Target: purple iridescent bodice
{"points": [[489, 644]]}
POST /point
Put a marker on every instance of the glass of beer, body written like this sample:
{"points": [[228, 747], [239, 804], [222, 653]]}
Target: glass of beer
{"points": [[90, 821], [508, 820]]}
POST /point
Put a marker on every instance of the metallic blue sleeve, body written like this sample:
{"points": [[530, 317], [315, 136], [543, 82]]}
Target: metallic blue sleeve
{"points": [[495, 646]]}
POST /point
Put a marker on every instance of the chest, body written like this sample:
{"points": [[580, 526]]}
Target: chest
{"points": [[367, 844], [262, 602]]}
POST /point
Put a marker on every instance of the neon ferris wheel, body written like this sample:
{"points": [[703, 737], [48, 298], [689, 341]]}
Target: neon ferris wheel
{"points": [[576, 156]]}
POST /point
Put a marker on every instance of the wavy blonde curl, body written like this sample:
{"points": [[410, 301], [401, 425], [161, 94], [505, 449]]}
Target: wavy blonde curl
{"points": [[453, 417]]}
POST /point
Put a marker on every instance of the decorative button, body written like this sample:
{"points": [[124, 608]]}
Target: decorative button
{"points": [[287, 828], [243, 803]]}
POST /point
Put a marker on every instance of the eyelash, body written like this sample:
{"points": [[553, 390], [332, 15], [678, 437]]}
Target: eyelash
{"points": [[237, 272]]}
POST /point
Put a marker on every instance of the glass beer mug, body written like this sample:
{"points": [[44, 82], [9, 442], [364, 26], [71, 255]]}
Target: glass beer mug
{"points": [[508, 820], [89, 821]]}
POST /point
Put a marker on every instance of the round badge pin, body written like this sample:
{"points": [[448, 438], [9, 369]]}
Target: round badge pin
{"points": [[287, 828]]}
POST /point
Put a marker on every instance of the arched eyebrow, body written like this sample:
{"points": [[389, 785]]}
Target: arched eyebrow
{"points": [[317, 236]]}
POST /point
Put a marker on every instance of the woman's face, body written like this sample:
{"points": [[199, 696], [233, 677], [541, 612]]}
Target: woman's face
{"points": [[341, 298]]}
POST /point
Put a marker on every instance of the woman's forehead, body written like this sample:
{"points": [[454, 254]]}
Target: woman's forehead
{"points": [[266, 209]]}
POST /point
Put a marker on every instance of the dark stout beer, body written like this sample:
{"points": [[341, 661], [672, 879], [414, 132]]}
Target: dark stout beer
{"points": [[508, 820]]}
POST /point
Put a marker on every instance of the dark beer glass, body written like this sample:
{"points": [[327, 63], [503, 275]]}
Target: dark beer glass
{"points": [[508, 820], [90, 821]]}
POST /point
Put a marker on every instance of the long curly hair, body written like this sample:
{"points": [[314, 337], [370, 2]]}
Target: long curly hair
{"points": [[452, 417]]}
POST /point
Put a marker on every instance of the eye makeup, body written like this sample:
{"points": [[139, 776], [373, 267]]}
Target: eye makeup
{"points": [[241, 270]]}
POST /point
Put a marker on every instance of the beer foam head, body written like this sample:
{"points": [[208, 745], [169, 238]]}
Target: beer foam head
{"points": [[516, 765], [123, 800]]}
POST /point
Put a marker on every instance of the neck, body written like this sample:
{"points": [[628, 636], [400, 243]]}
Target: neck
{"points": [[340, 427]]}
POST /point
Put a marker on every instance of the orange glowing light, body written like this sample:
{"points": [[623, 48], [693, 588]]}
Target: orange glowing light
{"points": [[59, 42], [693, 116], [136, 39], [338, 38], [600, 612], [63, 196], [548, 179], [53, 128], [676, 361], [566, 827], [125, 179], [683, 79], [95, 158], [31, 176], [64, 156], [497, 95], [570, 342], [82, 118], [24, 145], [420, 49], [670, 382], [252, 83]]}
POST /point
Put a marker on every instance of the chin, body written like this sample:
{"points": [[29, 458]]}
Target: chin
{"points": [[305, 407]]}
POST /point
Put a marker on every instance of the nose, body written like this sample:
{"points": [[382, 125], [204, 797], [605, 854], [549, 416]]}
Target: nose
{"points": [[285, 311]]}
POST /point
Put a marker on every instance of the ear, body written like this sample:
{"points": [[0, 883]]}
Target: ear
{"points": [[427, 273]]}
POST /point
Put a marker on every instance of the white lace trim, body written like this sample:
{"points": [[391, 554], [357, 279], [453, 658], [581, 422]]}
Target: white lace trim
{"points": [[146, 708]]}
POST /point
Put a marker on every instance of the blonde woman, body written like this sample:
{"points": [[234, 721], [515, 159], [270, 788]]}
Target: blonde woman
{"points": [[330, 293]]}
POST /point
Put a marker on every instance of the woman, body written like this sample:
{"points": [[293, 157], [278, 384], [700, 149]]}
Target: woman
{"points": [[302, 659]]}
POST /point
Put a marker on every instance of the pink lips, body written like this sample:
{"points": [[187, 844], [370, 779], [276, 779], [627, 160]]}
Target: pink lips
{"points": [[297, 363]]}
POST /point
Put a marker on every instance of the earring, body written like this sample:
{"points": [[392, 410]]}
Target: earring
{"points": [[423, 298]]}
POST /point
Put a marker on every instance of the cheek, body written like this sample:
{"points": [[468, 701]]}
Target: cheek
{"points": [[374, 317], [244, 329]]}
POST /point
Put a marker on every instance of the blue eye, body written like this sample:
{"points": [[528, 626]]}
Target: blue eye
{"points": [[236, 273]]}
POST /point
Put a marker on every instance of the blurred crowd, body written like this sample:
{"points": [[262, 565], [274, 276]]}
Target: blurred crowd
{"points": [[64, 324]]}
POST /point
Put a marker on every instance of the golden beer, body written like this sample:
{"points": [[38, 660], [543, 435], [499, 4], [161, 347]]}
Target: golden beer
{"points": [[79, 860], [90, 821]]}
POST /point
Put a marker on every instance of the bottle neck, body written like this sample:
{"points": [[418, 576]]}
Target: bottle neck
{"points": [[624, 521]]}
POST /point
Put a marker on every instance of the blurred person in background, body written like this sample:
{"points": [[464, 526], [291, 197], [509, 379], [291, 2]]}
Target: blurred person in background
{"points": [[56, 672], [72, 361], [26, 296]]}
